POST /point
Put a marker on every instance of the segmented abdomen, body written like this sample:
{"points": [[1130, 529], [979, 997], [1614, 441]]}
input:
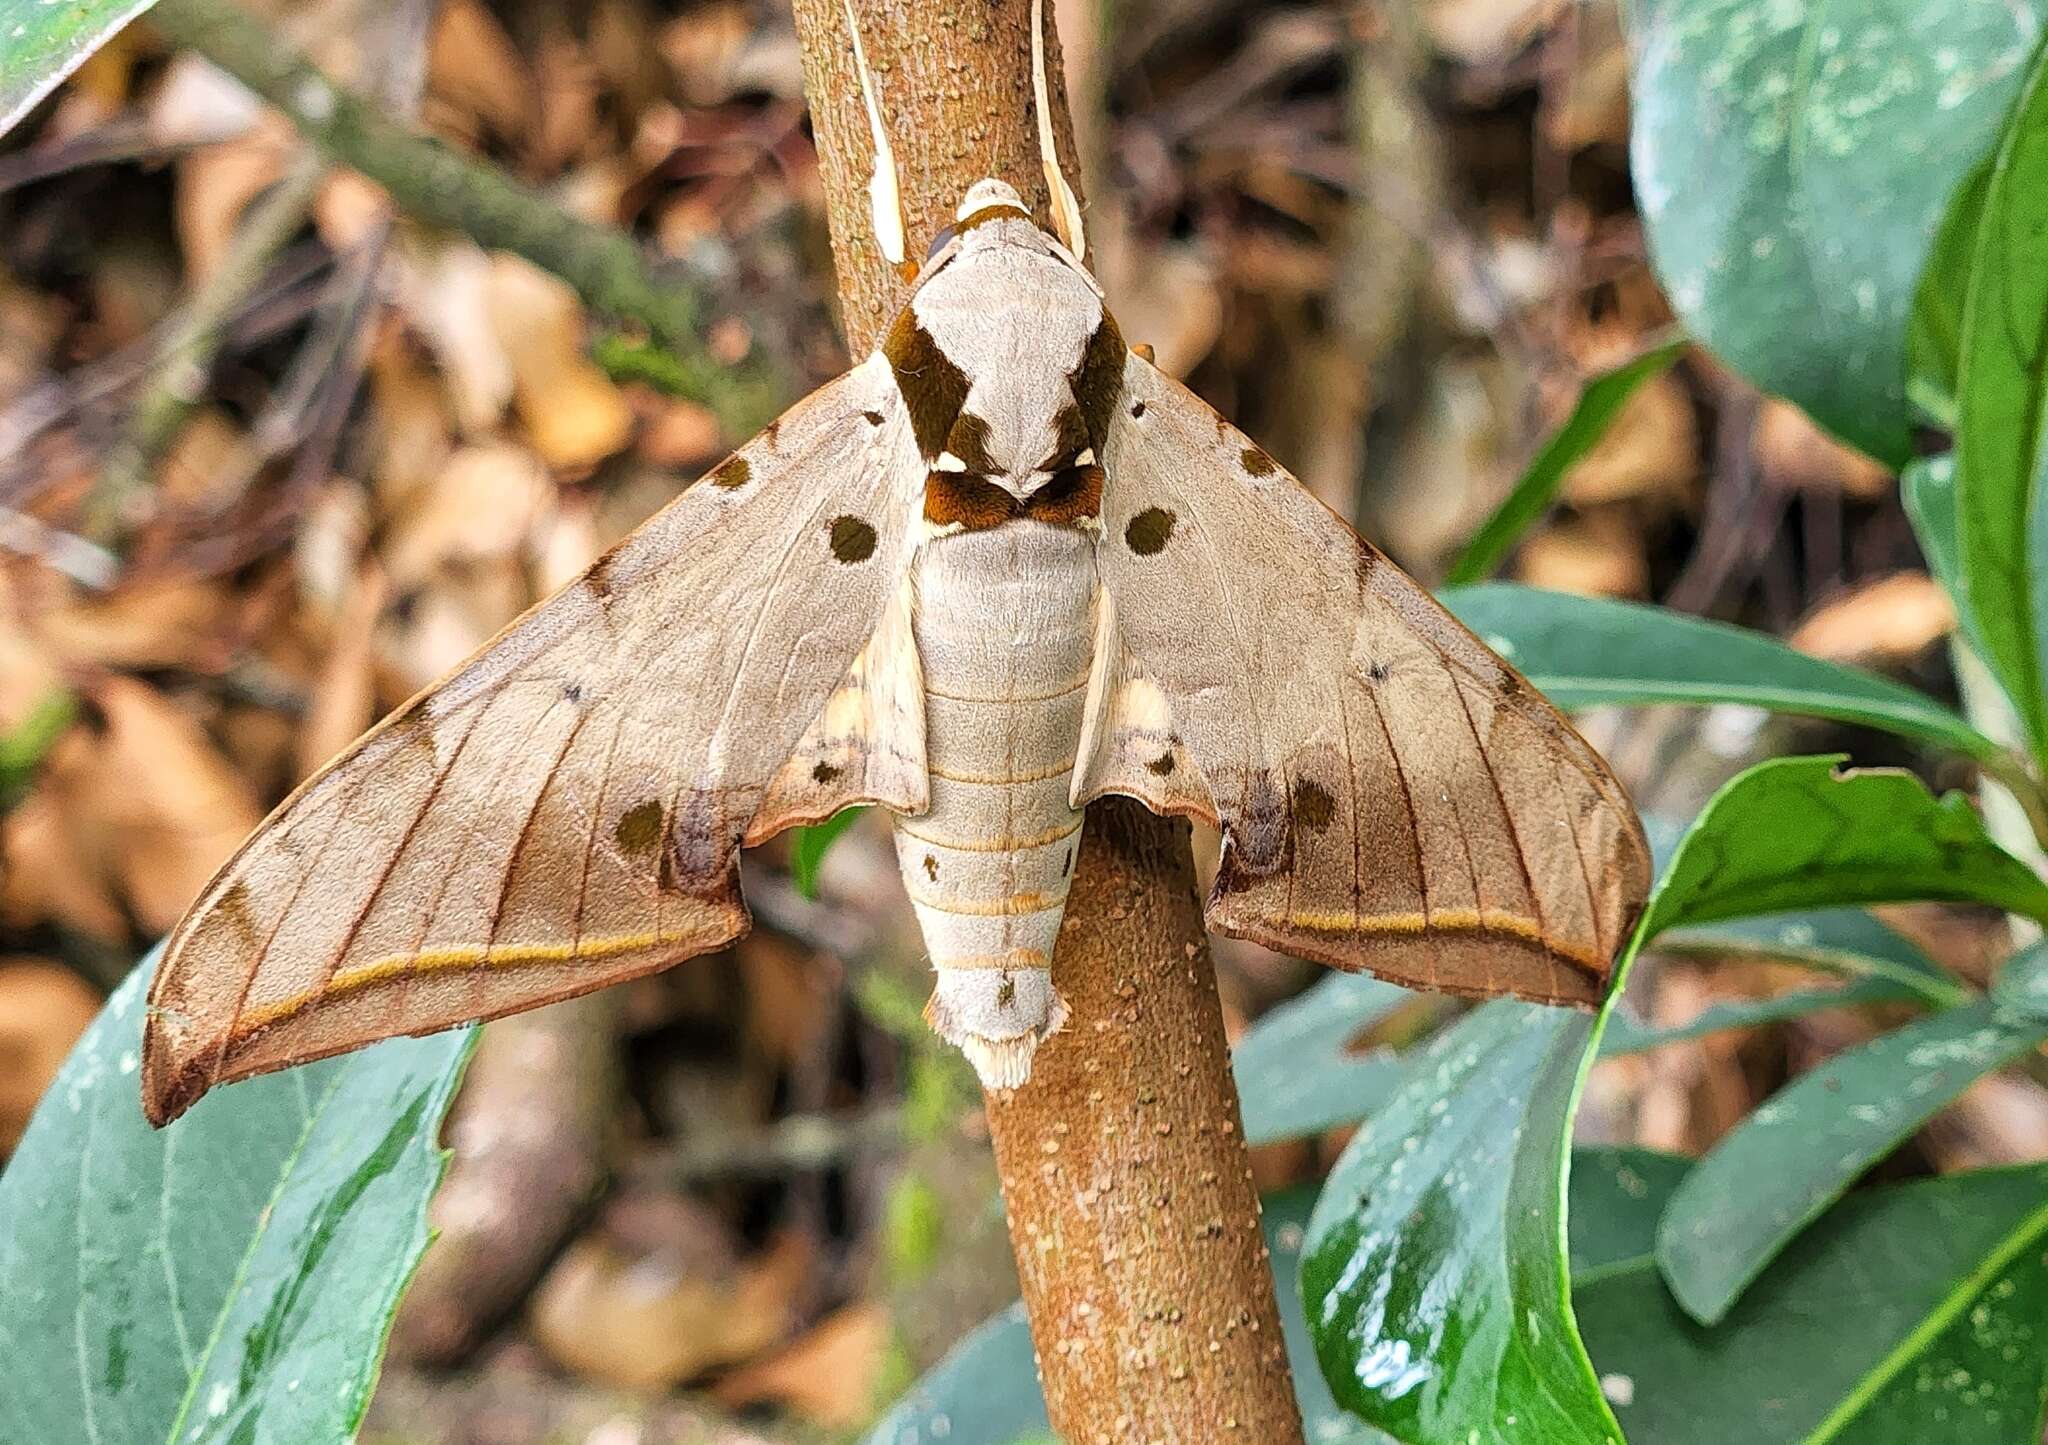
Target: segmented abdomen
{"points": [[1005, 629]]}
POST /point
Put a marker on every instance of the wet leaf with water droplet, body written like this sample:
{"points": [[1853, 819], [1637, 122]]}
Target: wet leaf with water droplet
{"points": [[1778, 1169], [1907, 1315], [230, 1277], [1793, 161]]}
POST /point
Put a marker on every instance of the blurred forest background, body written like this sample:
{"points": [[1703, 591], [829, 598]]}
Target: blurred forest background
{"points": [[271, 459]]}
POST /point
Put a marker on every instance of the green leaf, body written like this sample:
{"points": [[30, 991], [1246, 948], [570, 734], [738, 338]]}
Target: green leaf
{"points": [[41, 43], [1799, 832], [1782, 1166], [1617, 1192], [1296, 1073], [1927, 487], [1793, 160], [22, 750], [807, 847], [1584, 651], [1844, 941], [1880, 966], [1934, 331], [986, 1391], [1434, 1271], [2001, 441], [1907, 1315], [1598, 405], [231, 1277]]}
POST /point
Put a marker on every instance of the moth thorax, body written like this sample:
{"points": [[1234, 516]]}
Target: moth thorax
{"points": [[989, 192], [997, 1017]]}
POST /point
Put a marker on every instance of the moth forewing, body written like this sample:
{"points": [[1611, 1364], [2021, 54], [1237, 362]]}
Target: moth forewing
{"points": [[565, 809]]}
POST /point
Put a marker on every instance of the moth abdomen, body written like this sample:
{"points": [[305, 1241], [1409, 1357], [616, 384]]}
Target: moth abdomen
{"points": [[1005, 629]]}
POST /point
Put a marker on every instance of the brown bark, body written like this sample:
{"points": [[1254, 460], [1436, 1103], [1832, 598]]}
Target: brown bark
{"points": [[1130, 1197]]}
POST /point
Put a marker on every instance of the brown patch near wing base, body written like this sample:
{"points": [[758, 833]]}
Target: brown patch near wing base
{"points": [[933, 388], [1098, 381], [1074, 495], [956, 499]]}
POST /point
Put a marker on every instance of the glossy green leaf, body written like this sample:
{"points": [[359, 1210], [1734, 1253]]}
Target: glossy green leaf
{"points": [[1848, 942], [41, 43], [1617, 1193], [1793, 161], [1879, 967], [231, 1277], [1296, 1072], [1934, 331], [1584, 651], [2002, 415], [1598, 405], [1434, 1272], [808, 845], [1783, 1165], [986, 1391], [1907, 1315], [1800, 832]]}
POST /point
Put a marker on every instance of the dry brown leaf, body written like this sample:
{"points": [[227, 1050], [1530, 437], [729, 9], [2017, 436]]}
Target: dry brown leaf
{"points": [[1599, 554], [216, 183], [177, 625], [1651, 448], [412, 436], [206, 463], [344, 700], [164, 806], [488, 505], [1486, 32], [575, 415], [442, 624], [197, 103], [682, 435], [830, 1374], [443, 289], [473, 65], [349, 210], [657, 1297], [51, 871], [1889, 620], [43, 1010], [1789, 445]]}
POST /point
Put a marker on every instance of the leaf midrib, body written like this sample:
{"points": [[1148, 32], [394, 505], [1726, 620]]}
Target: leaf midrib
{"points": [[264, 1220]]}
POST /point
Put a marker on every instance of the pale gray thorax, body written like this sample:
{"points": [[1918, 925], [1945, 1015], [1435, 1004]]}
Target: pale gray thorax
{"points": [[1013, 312]]}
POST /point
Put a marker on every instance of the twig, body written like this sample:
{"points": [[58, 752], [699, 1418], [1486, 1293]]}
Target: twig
{"points": [[801, 1143], [187, 351], [434, 183], [1129, 1193]]}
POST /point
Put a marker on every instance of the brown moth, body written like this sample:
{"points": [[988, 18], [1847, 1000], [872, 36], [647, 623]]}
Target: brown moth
{"points": [[1000, 568]]}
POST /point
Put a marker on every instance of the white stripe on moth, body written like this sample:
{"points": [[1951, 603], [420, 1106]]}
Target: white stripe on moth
{"points": [[885, 197], [1066, 211], [997, 1017]]}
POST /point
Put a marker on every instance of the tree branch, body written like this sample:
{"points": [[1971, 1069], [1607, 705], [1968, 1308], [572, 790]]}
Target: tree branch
{"points": [[1130, 1197], [436, 184]]}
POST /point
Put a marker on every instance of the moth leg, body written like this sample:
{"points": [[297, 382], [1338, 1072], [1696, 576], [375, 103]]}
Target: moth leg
{"points": [[1066, 211], [885, 191]]}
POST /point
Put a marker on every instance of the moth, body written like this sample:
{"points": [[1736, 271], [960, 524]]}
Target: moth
{"points": [[1000, 568]]}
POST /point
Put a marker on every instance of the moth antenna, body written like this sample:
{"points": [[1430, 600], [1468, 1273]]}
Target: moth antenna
{"points": [[885, 193], [1066, 211]]}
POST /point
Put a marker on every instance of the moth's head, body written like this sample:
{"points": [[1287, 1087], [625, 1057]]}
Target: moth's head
{"points": [[991, 215]]}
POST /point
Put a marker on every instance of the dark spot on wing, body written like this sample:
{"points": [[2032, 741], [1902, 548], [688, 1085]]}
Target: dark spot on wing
{"points": [[639, 829], [1377, 672], [873, 418], [1137, 410], [1261, 832], [968, 440], [733, 473], [824, 773], [1258, 463], [1147, 532], [573, 691], [1160, 766], [933, 388], [853, 540], [1313, 806], [1098, 380], [1068, 866], [931, 867]]}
